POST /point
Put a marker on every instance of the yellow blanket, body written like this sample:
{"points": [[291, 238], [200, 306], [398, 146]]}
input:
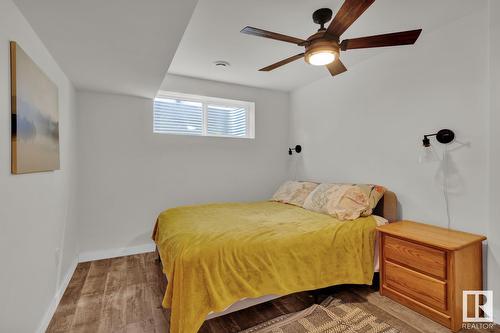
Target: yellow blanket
{"points": [[217, 254]]}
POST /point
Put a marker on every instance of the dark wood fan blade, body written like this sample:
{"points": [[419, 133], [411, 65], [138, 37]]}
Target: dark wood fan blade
{"points": [[336, 67], [347, 14], [273, 35], [281, 63], [392, 39]]}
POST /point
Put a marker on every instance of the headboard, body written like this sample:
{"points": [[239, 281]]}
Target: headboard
{"points": [[387, 207]]}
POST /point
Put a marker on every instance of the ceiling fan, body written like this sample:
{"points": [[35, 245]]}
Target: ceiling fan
{"points": [[323, 47]]}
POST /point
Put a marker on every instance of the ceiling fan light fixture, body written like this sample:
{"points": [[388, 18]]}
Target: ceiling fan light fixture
{"points": [[321, 58], [321, 52]]}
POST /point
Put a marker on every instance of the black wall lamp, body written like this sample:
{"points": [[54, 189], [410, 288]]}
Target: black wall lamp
{"points": [[297, 149], [443, 136], [427, 154]]}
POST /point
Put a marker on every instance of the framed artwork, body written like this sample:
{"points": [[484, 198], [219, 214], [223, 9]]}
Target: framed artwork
{"points": [[34, 114]]}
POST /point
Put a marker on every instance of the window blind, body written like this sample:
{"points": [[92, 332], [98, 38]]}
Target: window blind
{"points": [[178, 117], [199, 115], [226, 121]]}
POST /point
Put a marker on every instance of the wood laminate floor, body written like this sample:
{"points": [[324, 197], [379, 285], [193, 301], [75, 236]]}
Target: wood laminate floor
{"points": [[124, 295]]}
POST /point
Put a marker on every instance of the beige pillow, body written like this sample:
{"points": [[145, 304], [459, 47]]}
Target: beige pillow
{"points": [[374, 193], [343, 201], [294, 192]]}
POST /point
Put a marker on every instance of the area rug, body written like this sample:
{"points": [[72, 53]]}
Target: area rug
{"points": [[334, 315]]}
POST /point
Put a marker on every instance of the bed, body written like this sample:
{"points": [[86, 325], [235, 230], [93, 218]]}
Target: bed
{"points": [[220, 258]]}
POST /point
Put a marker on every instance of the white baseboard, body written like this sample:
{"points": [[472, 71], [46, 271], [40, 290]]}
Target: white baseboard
{"points": [[57, 298], [113, 253]]}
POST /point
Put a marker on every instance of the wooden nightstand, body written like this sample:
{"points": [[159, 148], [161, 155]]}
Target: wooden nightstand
{"points": [[426, 268]]}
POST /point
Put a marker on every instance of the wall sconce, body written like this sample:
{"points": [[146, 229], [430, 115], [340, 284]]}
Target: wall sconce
{"points": [[297, 149], [443, 136]]}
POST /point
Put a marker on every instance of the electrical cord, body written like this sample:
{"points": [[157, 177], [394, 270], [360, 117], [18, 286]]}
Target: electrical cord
{"points": [[445, 184], [294, 167]]}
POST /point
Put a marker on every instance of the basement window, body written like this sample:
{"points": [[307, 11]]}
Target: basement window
{"points": [[184, 114]]}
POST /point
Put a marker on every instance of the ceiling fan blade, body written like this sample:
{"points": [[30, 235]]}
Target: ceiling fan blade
{"points": [[282, 62], [273, 35], [392, 39], [347, 14], [336, 67]]}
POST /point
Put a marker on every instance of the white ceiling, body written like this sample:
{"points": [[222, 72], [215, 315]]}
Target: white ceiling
{"points": [[119, 46], [214, 34], [126, 46]]}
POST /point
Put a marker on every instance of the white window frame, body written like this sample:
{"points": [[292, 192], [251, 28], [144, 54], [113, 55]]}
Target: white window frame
{"points": [[205, 101]]}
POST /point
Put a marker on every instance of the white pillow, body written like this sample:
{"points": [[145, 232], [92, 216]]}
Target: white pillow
{"points": [[380, 220]]}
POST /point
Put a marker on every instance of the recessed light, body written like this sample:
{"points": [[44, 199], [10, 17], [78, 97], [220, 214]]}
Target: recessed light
{"points": [[221, 64]]}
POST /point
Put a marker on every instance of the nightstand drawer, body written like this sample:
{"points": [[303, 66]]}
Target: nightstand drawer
{"points": [[419, 257], [418, 286]]}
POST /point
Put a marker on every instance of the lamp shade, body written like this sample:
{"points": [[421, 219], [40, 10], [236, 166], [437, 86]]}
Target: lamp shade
{"points": [[428, 155]]}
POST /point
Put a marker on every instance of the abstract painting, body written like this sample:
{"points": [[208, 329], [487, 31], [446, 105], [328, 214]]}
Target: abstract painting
{"points": [[35, 116]]}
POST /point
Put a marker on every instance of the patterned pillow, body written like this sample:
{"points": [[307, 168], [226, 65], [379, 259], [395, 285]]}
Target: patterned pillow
{"points": [[343, 201], [374, 193], [294, 192]]}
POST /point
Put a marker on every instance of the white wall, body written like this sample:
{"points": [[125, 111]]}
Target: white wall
{"points": [[367, 124], [494, 227], [36, 210], [128, 174]]}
